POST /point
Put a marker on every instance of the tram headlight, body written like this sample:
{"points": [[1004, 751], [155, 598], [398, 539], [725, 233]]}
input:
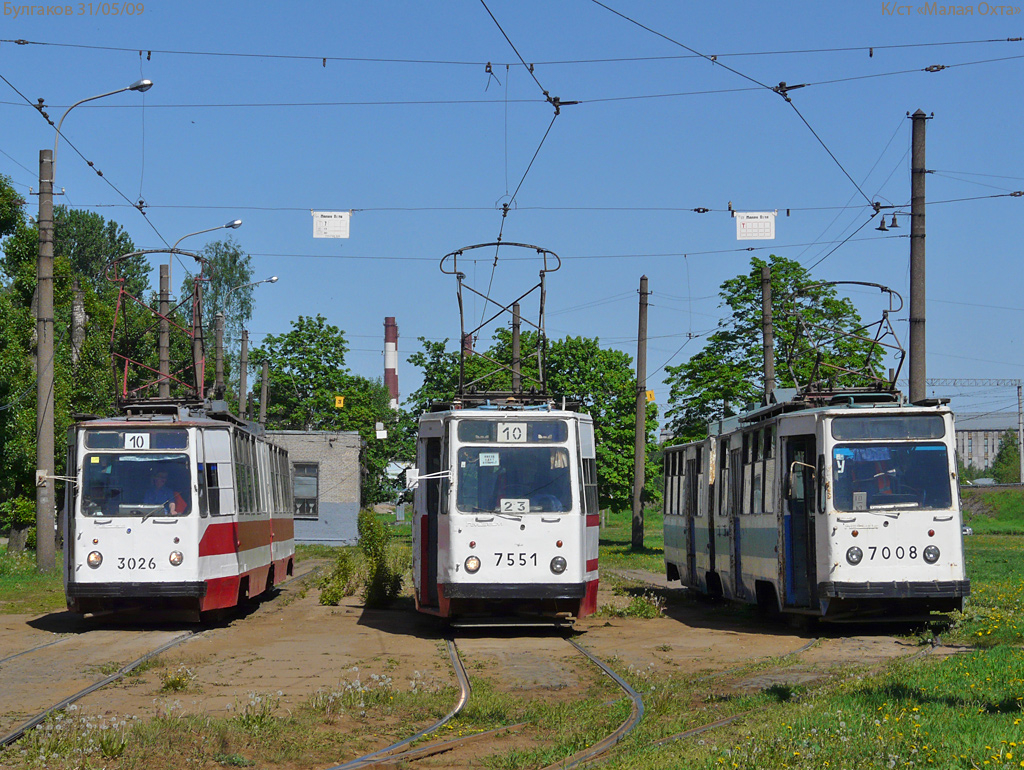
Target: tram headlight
{"points": [[931, 554], [473, 564], [854, 555], [176, 558], [95, 559], [558, 565]]}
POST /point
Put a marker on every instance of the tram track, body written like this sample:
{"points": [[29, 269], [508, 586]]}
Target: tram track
{"points": [[397, 752], [20, 731]]}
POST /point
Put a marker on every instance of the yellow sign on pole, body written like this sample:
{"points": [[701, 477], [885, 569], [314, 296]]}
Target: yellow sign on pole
{"points": [[650, 396], [339, 402]]}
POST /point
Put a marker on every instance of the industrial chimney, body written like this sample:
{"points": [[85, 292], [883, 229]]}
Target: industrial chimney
{"points": [[391, 359]]}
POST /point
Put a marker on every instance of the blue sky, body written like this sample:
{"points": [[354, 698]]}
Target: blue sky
{"points": [[425, 151]]}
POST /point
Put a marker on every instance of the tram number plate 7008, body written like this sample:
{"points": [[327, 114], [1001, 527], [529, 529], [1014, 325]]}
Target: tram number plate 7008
{"points": [[885, 552], [512, 559]]}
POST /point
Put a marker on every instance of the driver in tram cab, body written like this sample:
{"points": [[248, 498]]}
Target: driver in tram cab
{"points": [[161, 493]]}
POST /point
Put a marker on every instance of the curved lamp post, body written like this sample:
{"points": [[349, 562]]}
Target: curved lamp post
{"points": [[45, 543], [243, 359]]}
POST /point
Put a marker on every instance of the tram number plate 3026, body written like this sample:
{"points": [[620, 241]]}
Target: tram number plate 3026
{"points": [[131, 562], [521, 559]]}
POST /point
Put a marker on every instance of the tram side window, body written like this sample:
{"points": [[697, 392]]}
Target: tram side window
{"points": [[590, 485], [769, 475], [241, 496], [307, 490], [204, 507]]}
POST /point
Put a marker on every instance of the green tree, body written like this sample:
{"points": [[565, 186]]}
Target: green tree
{"points": [[307, 371], [601, 380], [727, 373], [1006, 465], [228, 270]]}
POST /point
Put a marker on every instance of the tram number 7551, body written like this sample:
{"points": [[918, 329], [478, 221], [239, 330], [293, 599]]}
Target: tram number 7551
{"points": [[885, 552], [512, 559]]}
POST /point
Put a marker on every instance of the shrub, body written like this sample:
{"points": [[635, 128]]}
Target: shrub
{"points": [[340, 581], [383, 580]]}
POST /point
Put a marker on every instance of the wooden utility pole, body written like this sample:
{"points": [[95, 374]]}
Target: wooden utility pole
{"points": [[640, 443], [917, 273], [264, 392]]}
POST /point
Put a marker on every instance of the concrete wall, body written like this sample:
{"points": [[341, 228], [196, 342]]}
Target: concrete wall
{"points": [[337, 455]]}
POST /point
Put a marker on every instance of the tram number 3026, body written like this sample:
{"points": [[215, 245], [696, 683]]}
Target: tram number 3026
{"points": [[885, 552], [131, 562], [512, 559]]}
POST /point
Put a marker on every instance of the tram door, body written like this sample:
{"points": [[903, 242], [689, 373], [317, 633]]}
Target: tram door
{"points": [[691, 490], [429, 553], [798, 521]]}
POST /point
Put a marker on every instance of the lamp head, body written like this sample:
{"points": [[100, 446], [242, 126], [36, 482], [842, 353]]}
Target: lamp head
{"points": [[272, 279], [234, 224], [141, 85]]}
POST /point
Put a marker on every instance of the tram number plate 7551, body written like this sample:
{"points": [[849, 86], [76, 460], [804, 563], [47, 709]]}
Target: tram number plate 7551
{"points": [[885, 552], [512, 559], [131, 562]]}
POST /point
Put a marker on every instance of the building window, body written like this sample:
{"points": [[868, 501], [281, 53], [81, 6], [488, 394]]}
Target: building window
{"points": [[306, 488]]}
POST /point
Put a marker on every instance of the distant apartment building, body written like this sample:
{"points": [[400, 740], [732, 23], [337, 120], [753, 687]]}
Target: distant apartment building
{"points": [[326, 483], [978, 435]]}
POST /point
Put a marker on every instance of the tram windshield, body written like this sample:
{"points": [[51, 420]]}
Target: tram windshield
{"points": [[136, 485], [869, 477], [505, 479]]}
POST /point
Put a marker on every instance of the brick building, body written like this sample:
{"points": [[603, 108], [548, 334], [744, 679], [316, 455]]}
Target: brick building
{"points": [[327, 479]]}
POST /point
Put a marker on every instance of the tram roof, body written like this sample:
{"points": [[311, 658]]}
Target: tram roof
{"points": [[787, 400], [173, 413]]}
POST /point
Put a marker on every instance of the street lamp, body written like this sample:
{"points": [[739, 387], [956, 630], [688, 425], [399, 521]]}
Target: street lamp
{"points": [[234, 224], [243, 359], [45, 465]]}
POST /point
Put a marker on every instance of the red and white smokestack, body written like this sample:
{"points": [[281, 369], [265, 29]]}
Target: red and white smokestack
{"points": [[391, 359]]}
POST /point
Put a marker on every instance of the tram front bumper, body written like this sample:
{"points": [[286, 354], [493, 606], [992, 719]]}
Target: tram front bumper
{"points": [[514, 590], [937, 589], [186, 590]]}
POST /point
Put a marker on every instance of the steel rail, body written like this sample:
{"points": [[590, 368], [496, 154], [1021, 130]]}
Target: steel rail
{"points": [[465, 690], [636, 713], [19, 732], [32, 649], [119, 674]]}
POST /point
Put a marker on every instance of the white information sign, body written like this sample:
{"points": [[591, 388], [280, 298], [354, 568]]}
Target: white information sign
{"points": [[331, 224], [511, 433], [755, 225], [515, 505], [136, 441], [489, 459]]}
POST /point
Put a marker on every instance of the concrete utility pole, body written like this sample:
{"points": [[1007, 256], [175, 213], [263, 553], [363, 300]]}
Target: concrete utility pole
{"points": [[243, 378], [218, 383], [198, 363], [766, 332], [917, 272], [165, 332], [640, 444], [45, 543], [264, 392], [517, 382]]}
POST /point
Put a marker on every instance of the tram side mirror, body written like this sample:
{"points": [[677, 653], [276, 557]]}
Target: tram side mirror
{"points": [[412, 478]]}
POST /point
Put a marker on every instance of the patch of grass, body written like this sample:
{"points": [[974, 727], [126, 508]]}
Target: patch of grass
{"points": [[25, 591], [644, 605], [343, 579], [616, 549], [994, 612], [993, 511], [233, 760]]}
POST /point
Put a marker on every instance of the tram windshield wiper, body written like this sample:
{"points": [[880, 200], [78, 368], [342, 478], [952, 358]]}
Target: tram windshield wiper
{"points": [[509, 516]]}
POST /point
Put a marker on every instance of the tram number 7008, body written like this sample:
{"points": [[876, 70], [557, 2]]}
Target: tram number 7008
{"points": [[512, 559], [885, 552]]}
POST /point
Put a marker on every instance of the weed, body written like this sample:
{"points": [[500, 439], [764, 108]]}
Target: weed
{"points": [[340, 581], [178, 680], [383, 581], [256, 715], [646, 605], [233, 760]]}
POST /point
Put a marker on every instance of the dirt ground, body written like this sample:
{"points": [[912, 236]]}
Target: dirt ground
{"points": [[291, 647]]}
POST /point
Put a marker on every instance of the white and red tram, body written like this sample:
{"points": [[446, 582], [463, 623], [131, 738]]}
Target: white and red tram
{"points": [[505, 513], [174, 507]]}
